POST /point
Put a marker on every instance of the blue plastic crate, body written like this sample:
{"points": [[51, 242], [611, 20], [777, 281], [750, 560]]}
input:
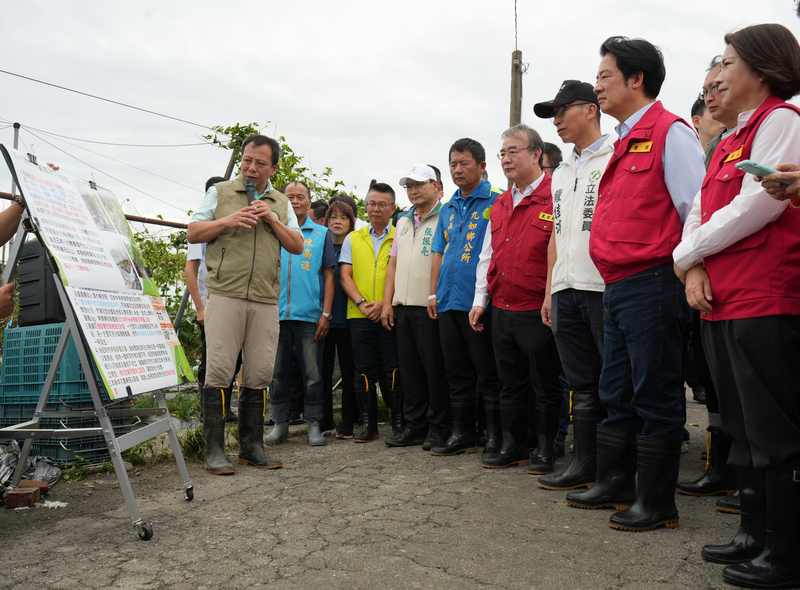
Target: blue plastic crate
{"points": [[63, 450], [27, 355], [91, 449], [15, 414]]}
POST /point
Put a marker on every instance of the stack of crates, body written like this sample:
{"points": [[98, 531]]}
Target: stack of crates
{"points": [[27, 354]]}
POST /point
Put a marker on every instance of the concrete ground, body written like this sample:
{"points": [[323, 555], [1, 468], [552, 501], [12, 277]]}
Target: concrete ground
{"points": [[350, 516]]}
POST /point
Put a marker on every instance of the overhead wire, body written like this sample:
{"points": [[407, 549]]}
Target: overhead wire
{"points": [[116, 102], [117, 161], [62, 137], [516, 44], [106, 173], [144, 145]]}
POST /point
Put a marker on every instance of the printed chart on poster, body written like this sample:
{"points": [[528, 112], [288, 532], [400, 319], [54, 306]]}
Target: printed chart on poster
{"points": [[120, 311]]}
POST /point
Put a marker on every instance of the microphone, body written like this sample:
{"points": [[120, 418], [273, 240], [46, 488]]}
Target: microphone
{"points": [[250, 186]]}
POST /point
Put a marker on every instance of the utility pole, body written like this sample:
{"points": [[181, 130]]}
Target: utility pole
{"points": [[16, 146], [517, 69]]}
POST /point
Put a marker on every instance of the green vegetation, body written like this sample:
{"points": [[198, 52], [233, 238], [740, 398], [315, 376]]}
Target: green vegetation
{"points": [[184, 406], [77, 471]]}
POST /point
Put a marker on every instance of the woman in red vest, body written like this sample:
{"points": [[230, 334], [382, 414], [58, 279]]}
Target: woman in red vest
{"points": [[742, 253]]}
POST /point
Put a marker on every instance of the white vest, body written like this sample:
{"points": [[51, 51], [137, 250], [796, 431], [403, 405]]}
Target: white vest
{"points": [[412, 279], [574, 202]]}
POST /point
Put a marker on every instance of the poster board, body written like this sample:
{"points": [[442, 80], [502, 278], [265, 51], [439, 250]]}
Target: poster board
{"points": [[120, 312]]}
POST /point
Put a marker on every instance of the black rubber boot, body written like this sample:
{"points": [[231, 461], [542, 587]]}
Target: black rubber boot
{"points": [[719, 478], [494, 431], [252, 403], [406, 438], [514, 450], [434, 439], [397, 404], [729, 504], [580, 473], [749, 540], [616, 472], [482, 426], [368, 404], [217, 461], [778, 564], [386, 394], [658, 460], [547, 426], [462, 440], [230, 417]]}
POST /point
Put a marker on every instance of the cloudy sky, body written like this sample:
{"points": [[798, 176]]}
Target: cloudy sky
{"points": [[367, 88]]}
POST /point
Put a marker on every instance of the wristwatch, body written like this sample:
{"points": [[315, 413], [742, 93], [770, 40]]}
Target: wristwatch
{"points": [[363, 300], [327, 315]]}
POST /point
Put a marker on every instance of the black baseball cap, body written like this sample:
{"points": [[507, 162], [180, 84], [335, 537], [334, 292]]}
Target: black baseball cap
{"points": [[570, 90]]}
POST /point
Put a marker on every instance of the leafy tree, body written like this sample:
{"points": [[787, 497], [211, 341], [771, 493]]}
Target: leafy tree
{"points": [[164, 254], [290, 165]]}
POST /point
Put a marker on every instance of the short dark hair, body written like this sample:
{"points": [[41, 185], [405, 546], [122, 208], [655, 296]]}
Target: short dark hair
{"points": [[381, 187], [437, 173], [635, 56], [772, 52], [213, 180], [348, 200], [699, 107], [288, 184], [320, 208], [257, 139], [553, 154], [342, 207], [465, 144]]}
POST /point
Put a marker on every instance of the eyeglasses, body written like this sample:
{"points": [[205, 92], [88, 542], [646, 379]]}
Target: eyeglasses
{"points": [[559, 112], [374, 205], [410, 186], [712, 91], [512, 152]]}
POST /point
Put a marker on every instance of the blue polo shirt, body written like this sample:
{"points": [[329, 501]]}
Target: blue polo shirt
{"points": [[302, 291], [459, 237]]}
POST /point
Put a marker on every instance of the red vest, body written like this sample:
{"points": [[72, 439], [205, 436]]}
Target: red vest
{"points": [[518, 271], [635, 225], [760, 274]]}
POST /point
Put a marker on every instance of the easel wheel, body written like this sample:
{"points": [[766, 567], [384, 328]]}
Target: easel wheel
{"points": [[145, 531]]}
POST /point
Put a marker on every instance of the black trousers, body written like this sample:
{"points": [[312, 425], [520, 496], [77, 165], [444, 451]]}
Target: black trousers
{"points": [[702, 371], [755, 364], [468, 358], [427, 399], [577, 319], [527, 360], [338, 339]]}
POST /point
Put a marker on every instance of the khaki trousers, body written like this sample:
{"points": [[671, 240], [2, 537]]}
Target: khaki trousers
{"points": [[239, 324]]}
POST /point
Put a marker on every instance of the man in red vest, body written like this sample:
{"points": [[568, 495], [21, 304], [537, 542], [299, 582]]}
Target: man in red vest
{"points": [[513, 271], [643, 199]]}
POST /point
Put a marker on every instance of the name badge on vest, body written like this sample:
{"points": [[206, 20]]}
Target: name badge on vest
{"points": [[735, 155], [641, 147], [546, 216]]}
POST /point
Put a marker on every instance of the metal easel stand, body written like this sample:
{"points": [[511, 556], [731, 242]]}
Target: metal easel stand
{"points": [[116, 445]]}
